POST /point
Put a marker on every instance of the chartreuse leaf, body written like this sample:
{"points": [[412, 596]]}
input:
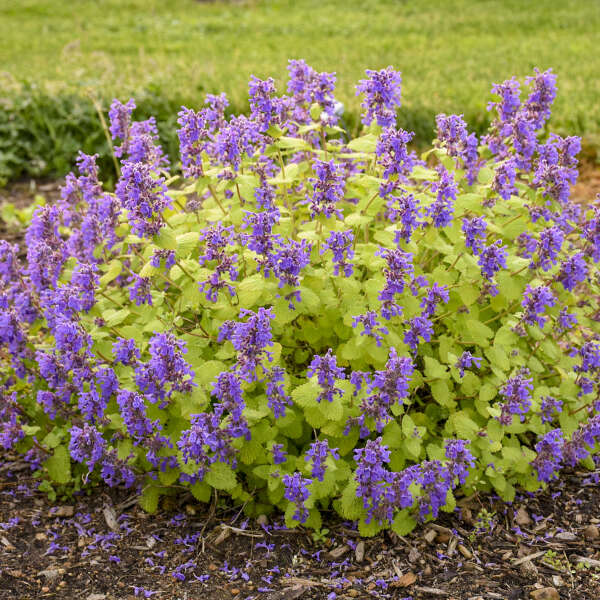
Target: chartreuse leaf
{"points": [[221, 476], [112, 272], [201, 491], [166, 239], [403, 522], [59, 465], [186, 242], [366, 143], [149, 498]]}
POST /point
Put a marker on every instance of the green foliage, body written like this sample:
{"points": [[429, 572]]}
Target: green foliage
{"points": [[440, 402]]}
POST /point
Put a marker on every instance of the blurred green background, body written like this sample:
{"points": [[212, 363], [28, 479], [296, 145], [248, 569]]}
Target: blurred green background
{"points": [[171, 52]]}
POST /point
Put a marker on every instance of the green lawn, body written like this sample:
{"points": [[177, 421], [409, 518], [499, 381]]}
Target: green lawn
{"points": [[170, 51]]}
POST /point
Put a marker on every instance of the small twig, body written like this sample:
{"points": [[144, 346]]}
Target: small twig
{"points": [[98, 108]]}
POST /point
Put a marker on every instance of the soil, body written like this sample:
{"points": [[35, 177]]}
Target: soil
{"points": [[101, 546]]}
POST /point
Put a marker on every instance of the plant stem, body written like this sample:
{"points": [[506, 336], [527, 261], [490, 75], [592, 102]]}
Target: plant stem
{"points": [[98, 108]]}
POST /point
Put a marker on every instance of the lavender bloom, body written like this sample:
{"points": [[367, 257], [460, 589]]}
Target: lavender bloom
{"points": [[393, 154], [573, 270], [435, 480], [340, 244], [328, 189], [327, 371], [250, 340], [296, 491], [168, 256], [11, 431], [549, 407], [385, 388], [566, 320], [277, 399], [442, 209], [534, 302], [12, 334], [549, 455], [434, 296], [266, 108], [140, 290], [317, 454], [518, 123], [204, 435], [120, 118], [504, 179], [399, 266], [261, 240], [84, 188], [166, 371], [141, 145], [84, 281], [145, 197], [591, 235], [308, 86], [549, 245], [370, 326], [287, 261], [279, 455], [556, 167], [228, 391], [404, 209], [418, 327], [192, 134], [509, 92], [238, 137], [216, 239], [537, 106], [524, 141], [196, 132], [492, 259], [9, 261], [92, 405], [46, 252], [517, 397], [382, 96], [86, 445], [466, 361], [125, 351], [453, 135], [133, 411], [475, 233], [371, 476], [590, 358], [460, 458]]}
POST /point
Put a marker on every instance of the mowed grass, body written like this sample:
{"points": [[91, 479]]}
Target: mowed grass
{"points": [[449, 52]]}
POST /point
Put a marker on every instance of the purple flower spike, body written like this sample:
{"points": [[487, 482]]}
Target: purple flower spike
{"points": [[327, 371], [317, 454], [296, 491], [517, 397], [466, 361], [535, 301], [382, 96], [340, 244]]}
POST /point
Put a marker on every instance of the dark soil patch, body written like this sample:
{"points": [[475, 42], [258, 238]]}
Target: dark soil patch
{"points": [[103, 547]]}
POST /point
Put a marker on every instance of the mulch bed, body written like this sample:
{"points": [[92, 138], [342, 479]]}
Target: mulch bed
{"points": [[102, 546]]}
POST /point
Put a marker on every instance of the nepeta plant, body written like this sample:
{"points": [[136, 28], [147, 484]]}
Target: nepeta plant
{"points": [[306, 321]]}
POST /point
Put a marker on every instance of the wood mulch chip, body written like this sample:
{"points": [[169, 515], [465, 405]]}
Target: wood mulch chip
{"points": [[102, 546]]}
